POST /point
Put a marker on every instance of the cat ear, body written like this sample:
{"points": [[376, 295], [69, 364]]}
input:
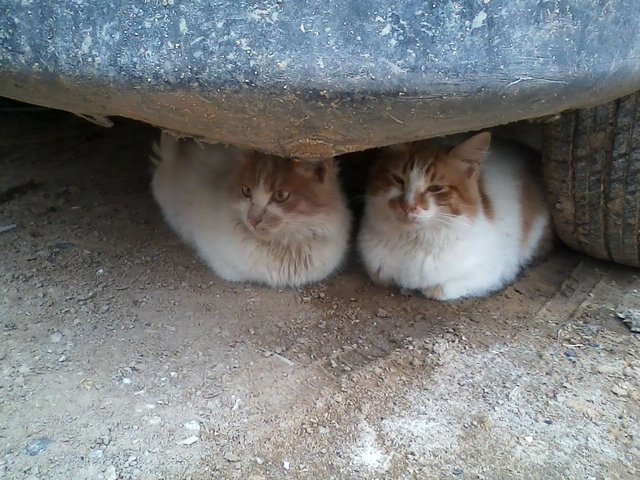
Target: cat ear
{"points": [[472, 152], [474, 149], [398, 148], [322, 168], [317, 169], [243, 155]]}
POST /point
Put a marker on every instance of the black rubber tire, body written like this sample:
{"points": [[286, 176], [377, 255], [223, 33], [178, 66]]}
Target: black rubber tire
{"points": [[592, 174]]}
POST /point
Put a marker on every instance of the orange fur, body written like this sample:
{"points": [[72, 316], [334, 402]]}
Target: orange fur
{"points": [[306, 184], [252, 216], [457, 170], [452, 222]]}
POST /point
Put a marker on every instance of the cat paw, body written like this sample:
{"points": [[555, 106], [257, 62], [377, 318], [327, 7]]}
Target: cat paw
{"points": [[434, 293]]}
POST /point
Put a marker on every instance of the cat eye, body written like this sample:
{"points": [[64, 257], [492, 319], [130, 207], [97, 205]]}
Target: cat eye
{"points": [[435, 188], [280, 196], [397, 178], [246, 191]]}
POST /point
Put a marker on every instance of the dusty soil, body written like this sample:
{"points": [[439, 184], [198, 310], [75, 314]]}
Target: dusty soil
{"points": [[123, 357]]}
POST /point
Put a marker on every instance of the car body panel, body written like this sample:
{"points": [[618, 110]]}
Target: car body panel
{"points": [[312, 79]]}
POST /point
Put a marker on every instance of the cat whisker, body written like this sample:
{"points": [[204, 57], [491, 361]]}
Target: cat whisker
{"points": [[444, 222], [454, 218], [290, 247], [451, 256]]}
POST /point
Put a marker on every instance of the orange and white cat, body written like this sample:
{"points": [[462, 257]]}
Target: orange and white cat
{"points": [[452, 222], [252, 216]]}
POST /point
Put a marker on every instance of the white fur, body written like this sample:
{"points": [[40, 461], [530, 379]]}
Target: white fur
{"points": [[464, 257], [191, 187]]}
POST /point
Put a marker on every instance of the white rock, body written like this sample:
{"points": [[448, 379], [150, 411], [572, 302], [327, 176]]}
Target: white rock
{"points": [[110, 473], [620, 390], [189, 440], [231, 457], [96, 455], [56, 337], [193, 425], [606, 369]]}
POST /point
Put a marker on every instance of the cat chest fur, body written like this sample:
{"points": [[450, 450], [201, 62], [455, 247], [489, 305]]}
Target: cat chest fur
{"points": [[427, 244], [252, 216], [422, 261]]}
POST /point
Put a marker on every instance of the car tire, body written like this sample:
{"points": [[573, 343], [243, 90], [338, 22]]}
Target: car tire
{"points": [[592, 174]]}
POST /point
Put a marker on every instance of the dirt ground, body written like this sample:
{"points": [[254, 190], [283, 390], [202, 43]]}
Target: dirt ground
{"points": [[123, 357]]}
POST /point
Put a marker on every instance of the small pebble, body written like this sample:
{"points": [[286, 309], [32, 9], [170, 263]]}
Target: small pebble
{"points": [[96, 455], [189, 440], [111, 473], [55, 338], [286, 465], [606, 369], [231, 457], [382, 313], [619, 391], [39, 446], [192, 425], [458, 471]]}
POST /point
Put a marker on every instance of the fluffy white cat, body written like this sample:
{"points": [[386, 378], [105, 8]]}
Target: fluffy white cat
{"points": [[252, 216], [452, 223]]}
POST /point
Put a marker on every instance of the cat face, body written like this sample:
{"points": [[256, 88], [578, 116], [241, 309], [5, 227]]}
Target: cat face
{"points": [[279, 198], [420, 183]]}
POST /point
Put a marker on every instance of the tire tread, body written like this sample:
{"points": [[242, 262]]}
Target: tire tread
{"points": [[592, 172]]}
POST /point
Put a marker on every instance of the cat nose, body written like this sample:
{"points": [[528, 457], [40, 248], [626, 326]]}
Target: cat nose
{"points": [[255, 221], [408, 207]]}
